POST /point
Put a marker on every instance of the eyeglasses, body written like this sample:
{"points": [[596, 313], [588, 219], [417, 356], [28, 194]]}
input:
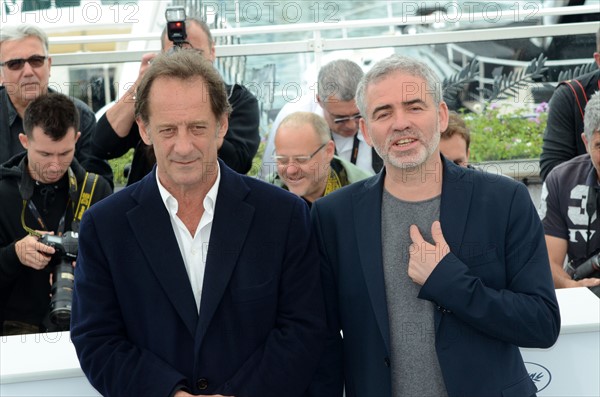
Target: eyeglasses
{"points": [[35, 61], [283, 160], [341, 120]]}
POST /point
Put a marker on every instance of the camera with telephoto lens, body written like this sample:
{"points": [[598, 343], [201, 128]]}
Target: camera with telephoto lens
{"points": [[63, 277], [175, 17], [589, 268]]}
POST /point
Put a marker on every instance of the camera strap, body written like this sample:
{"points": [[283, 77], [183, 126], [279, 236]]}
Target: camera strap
{"points": [[36, 214], [579, 93], [85, 198]]}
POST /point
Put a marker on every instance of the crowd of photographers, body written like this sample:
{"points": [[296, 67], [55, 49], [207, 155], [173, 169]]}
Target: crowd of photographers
{"points": [[48, 178], [54, 167]]}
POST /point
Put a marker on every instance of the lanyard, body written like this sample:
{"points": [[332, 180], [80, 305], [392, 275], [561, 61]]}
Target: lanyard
{"points": [[34, 211], [354, 153]]}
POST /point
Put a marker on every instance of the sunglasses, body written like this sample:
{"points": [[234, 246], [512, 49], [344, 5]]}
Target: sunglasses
{"points": [[35, 61]]}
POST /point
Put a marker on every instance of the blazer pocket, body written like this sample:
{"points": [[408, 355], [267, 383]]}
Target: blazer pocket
{"points": [[524, 387], [487, 267], [476, 261], [255, 292]]}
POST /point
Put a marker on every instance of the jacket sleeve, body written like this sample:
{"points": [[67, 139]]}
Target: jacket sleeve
{"points": [[10, 265], [329, 377], [560, 136], [242, 138], [108, 145], [524, 311], [113, 365], [84, 147]]}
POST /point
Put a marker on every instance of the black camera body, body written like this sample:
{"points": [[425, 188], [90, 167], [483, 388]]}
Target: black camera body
{"points": [[176, 32], [63, 278], [589, 268]]}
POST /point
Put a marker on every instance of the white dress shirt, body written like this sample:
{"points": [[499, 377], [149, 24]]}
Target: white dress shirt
{"points": [[193, 248], [343, 147]]}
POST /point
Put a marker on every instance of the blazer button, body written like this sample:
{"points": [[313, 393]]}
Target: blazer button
{"points": [[202, 384]]}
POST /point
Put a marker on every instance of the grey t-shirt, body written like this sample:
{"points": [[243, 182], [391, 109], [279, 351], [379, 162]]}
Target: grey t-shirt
{"points": [[414, 365]]}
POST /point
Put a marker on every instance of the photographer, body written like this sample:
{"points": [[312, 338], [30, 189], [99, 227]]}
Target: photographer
{"points": [[25, 68], [569, 208], [40, 192], [117, 131]]}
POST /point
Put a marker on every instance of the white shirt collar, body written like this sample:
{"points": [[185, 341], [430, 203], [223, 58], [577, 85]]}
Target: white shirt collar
{"points": [[210, 200]]}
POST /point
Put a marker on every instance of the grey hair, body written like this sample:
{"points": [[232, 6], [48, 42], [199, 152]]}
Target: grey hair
{"points": [[20, 32], [338, 79], [591, 121], [302, 118], [402, 64]]}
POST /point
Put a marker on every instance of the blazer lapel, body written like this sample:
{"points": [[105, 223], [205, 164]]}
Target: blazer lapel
{"points": [[367, 218], [231, 223], [457, 192], [149, 220]]}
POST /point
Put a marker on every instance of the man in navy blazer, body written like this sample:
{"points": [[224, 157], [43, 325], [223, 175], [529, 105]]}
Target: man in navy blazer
{"points": [[434, 274], [196, 280]]}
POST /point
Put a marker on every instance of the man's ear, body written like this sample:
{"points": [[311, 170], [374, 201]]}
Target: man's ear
{"points": [[443, 116], [223, 126], [144, 133], [363, 127], [77, 136], [213, 54], [585, 141], [24, 141], [330, 149]]}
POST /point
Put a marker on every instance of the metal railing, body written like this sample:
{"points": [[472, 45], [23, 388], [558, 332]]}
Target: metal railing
{"points": [[317, 44]]}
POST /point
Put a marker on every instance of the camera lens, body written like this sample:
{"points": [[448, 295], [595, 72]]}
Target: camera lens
{"points": [[62, 294]]}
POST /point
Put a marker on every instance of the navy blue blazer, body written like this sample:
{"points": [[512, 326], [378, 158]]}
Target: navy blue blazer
{"points": [[493, 292], [261, 326]]}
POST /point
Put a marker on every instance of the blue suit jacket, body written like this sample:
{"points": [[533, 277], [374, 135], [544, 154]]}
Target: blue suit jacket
{"points": [[261, 327], [493, 292]]}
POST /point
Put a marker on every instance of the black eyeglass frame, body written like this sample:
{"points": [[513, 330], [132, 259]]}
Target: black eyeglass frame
{"points": [[298, 159], [36, 61]]}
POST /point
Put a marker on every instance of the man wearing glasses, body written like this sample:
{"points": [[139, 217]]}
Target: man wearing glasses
{"points": [[24, 76], [303, 170], [337, 82], [117, 131], [336, 91]]}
